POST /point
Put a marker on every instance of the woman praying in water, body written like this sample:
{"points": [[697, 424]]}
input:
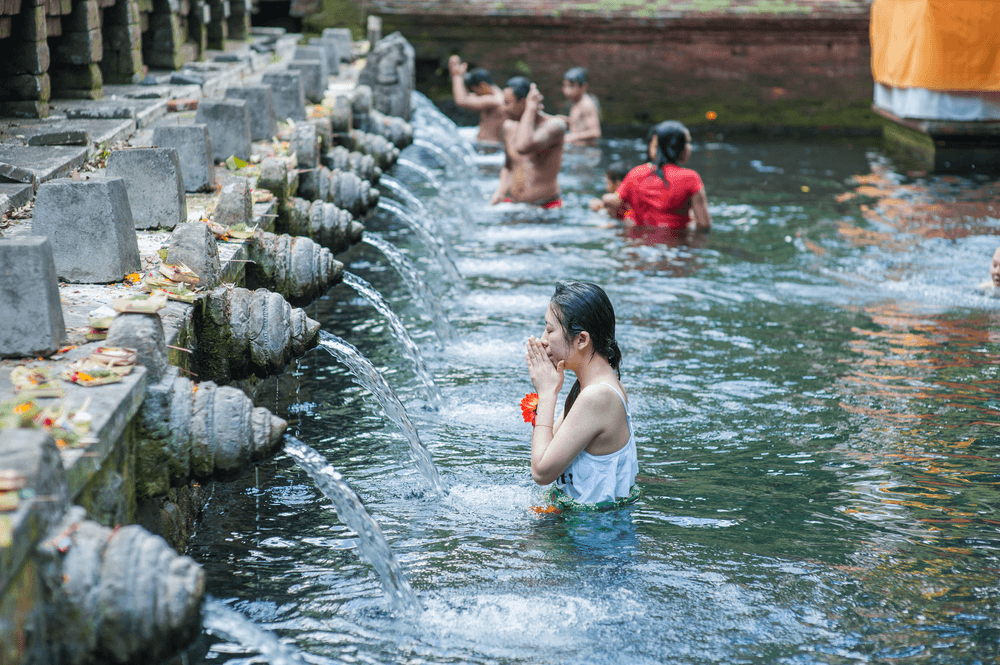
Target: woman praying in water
{"points": [[663, 193], [589, 451]]}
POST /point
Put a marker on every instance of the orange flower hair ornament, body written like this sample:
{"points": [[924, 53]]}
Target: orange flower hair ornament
{"points": [[528, 406]]}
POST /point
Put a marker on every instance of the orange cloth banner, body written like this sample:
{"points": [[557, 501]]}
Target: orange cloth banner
{"points": [[936, 44]]}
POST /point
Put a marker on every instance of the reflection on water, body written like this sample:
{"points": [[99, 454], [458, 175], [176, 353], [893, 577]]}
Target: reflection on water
{"points": [[815, 393]]}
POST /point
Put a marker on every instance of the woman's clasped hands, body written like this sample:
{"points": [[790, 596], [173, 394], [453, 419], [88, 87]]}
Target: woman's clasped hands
{"points": [[546, 376]]}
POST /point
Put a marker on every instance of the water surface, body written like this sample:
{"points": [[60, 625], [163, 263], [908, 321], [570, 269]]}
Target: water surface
{"points": [[814, 387]]}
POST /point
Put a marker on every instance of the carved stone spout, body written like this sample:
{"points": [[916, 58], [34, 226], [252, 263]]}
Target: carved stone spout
{"points": [[358, 163], [243, 333], [117, 596], [298, 268]]}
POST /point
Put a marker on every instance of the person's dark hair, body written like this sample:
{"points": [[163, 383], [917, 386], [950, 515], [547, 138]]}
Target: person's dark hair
{"points": [[671, 139], [617, 171], [477, 76], [521, 86], [576, 75], [581, 306]]}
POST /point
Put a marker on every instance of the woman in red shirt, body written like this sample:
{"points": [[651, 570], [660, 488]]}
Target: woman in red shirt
{"points": [[662, 193]]}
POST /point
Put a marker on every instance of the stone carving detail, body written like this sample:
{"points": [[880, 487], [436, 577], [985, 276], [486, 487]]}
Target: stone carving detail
{"points": [[200, 431], [344, 189], [118, 595], [358, 163], [389, 71], [379, 147], [396, 130], [367, 119], [297, 268], [254, 332], [348, 191]]}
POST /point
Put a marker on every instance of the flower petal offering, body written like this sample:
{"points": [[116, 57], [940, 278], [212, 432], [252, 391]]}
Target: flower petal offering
{"points": [[528, 406]]}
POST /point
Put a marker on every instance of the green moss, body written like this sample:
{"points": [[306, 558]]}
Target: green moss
{"points": [[752, 113], [337, 14]]}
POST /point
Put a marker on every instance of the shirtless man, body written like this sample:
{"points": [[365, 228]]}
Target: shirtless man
{"points": [[476, 91], [533, 141], [584, 120]]}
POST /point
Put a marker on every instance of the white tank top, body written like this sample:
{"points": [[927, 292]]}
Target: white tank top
{"points": [[595, 478]]}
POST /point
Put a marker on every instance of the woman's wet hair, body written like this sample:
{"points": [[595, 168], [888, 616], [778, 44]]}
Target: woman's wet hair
{"points": [[584, 306], [671, 139], [576, 75], [477, 76], [617, 171], [521, 86]]}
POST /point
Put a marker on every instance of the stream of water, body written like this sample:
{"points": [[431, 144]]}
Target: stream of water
{"points": [[814, 387]]}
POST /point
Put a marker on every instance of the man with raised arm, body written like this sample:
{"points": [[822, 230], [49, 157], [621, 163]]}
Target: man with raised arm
{"points": [[584, 116], [475, 91], [533, 142]]}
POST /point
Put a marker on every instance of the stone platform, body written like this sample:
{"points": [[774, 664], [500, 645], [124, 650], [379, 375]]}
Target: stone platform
{"points": [[132, 467]]}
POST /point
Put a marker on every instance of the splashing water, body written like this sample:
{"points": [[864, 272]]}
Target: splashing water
{"points": [[226, 622], [371, 542], [369, 293], [372, 380], [421, 170], [449, 158], [439, 247], [415, 283], [401, 190]]}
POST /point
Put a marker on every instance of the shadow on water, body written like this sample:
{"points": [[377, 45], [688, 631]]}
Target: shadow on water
{"points": [[814, 389]]}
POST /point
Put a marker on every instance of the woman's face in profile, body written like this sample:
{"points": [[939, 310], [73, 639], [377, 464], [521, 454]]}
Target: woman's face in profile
{"points": [[554, 337], [653, 145]]}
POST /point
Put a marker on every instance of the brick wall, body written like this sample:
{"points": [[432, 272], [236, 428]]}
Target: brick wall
{"points": [[804, 68]]}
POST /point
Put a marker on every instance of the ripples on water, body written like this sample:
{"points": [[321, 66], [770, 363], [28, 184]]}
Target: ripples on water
{"points": [[814, 387]]}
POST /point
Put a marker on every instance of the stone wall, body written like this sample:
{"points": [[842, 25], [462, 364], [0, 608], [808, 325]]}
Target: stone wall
{"points": [[807, 65], [69, 49]]}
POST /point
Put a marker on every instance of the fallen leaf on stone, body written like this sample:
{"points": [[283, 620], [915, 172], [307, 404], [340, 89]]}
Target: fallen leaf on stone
{"points": [[234, 163]]}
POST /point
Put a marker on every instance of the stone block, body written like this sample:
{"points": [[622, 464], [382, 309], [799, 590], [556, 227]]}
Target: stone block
{"points": [[16, 194], [274, 178], [154, 183], [26, 87], [77, 77], [89, 224], [314, 78], [86, 15], [313, 52], [78, 48], [305, 145], [235, 204], [29, 58], [61, 137], [37, 164], [260, 104], [374, 29], [144, 333], [343, 39], [390, 71], [288, 93], [193, 244], [324, 131], [32, 324], [329, 47], [194, 150], [228, 122], [30, 25]]}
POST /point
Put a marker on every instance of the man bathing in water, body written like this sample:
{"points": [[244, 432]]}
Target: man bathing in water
{"points": [[533, 142], [584, 117], [476, 91]]}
